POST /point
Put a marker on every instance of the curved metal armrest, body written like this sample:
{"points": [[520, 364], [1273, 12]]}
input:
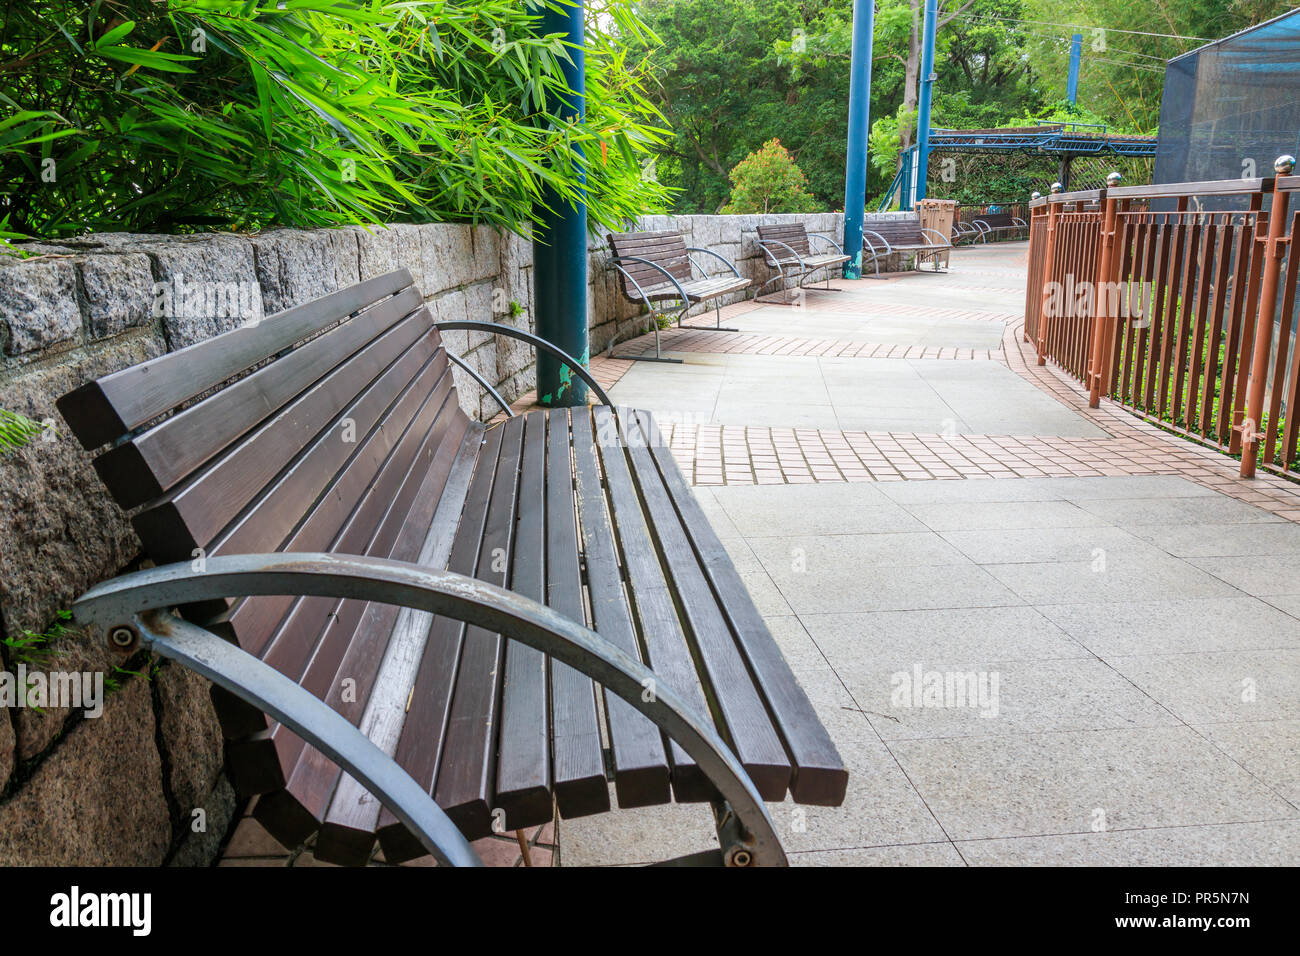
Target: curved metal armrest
{"points": [[964, 228], [775, 260], [537, 342], [983, 226], [872, 246], [926, 232], [835, 245], [127, 601], [730, 265], [1018, 221], [654, 265]]}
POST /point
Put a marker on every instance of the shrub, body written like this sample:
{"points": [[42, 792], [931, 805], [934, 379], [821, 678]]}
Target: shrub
{"points": [[768, 180], [149, 116]]}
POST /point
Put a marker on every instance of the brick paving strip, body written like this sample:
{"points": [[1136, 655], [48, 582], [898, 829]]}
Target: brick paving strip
{"points": [[747, 455]]}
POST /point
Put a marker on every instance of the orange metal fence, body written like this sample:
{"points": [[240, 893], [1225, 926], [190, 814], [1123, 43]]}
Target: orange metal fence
{"points": [[1185, 314]]}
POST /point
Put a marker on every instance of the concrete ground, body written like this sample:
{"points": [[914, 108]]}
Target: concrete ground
{"points": [[1131, 639]]}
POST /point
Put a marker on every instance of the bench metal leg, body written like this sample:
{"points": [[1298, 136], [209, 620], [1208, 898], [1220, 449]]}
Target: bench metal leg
{"points": [[325, 729], [123, 605], [659, 355]]}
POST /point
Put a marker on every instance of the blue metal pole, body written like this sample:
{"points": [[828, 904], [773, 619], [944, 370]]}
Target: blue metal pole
{"points": [[923, 103], [905, 187], [560, 242], [855, 165], [1076, 53]]}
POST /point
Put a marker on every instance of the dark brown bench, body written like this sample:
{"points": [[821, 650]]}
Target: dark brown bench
{"points": [[997, 223], [903, 234], [787, 249], [409, 616], [658, 268]]}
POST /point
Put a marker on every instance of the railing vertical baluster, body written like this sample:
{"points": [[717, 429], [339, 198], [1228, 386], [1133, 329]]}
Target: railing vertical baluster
{"points": [[1101, 308], [1049, 258], [1273, 251]]}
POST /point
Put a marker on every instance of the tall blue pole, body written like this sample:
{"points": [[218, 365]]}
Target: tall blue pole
{"points": [[927, 89], [1076, 53], [855, 164], [560, 242]]}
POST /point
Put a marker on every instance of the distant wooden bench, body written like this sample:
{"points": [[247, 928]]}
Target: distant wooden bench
{"points": [[786, 248], [903, 234], [658, 267], [339, 538], [998, 223]]}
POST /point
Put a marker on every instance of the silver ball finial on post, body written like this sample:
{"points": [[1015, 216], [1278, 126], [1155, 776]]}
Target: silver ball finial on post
{"points": [[1057, 187], [1035, 195], [1284, 164], [1114, 178]]}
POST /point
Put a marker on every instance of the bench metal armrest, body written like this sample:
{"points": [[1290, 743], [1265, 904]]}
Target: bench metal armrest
{"points": [[983, 226], [872, 246], [777, 262], [138, 601], [1018, 221], [654, 265], [927, 232], [835, 245], [536, 341], [729, 264]]}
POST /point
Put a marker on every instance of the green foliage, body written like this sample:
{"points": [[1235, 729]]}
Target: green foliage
{"points": [[16, 430], [769, 180], [147, 116], [883, 143]]}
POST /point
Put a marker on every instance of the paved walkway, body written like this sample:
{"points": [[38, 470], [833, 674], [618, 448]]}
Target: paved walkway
{"points": [[1127, 609]]}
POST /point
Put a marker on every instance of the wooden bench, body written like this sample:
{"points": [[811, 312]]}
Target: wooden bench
{"points": [[786, 248], [996, 223], [409, 616], [658, 267], [903, 235]]}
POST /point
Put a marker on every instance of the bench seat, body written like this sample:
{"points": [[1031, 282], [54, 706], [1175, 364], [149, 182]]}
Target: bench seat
{"points": [[697, 290], [345, 435], [788, 250]]}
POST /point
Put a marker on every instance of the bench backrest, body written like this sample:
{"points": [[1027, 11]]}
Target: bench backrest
{"points": [[664, 248], [995, 220], [897, 232], [793, 234], [313, 430]]}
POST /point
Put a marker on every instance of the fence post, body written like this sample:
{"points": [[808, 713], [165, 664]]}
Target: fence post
{"points": [[1274, 250], [1049, 254], [1100, 300]]}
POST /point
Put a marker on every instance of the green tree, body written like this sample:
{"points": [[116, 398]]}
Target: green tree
{"points": [[769, 180]]}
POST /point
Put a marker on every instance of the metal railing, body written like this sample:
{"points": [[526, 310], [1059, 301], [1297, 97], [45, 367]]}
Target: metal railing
{"points": [[1178, 301]]}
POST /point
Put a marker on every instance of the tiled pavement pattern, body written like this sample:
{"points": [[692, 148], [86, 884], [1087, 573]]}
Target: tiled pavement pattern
{"points": [[1142, 632]]}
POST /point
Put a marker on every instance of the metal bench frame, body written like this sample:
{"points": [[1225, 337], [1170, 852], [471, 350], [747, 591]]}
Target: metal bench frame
{"points": [[679, 304], [985, 230], [934, 245], [804, 271], [132, 611]]}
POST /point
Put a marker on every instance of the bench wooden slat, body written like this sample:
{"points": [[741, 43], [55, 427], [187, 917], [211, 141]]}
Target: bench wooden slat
{"points": [[819, 774], [107, 408], [523, 774], [156, 461], [316, 627], [464, 787], [358, 630], [196, 512], [321, 529], [577, 752], [420, 746], [733, 696], [666, 648], [353, 813], [641, 775]]}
